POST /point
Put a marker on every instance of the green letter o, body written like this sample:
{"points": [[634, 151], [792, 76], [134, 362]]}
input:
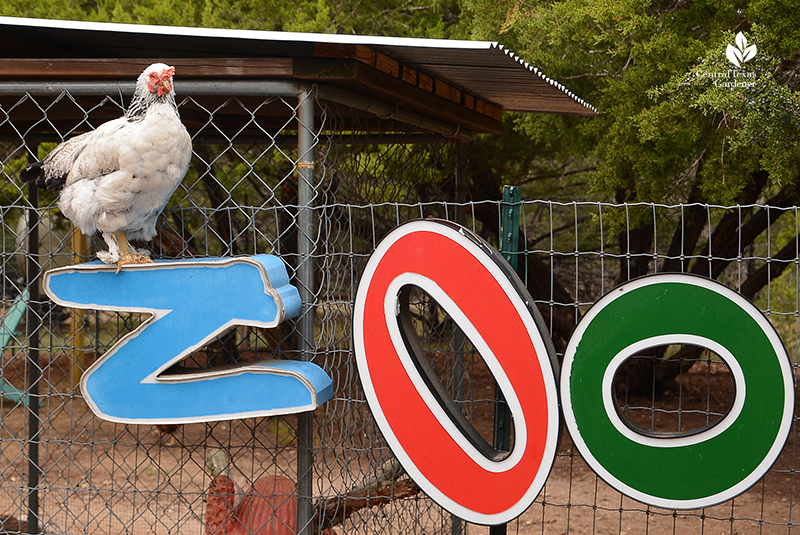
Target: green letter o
{"points": [[681, 472]]}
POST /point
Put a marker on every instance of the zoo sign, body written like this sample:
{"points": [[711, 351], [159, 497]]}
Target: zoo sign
{"points": [[444, 454]]}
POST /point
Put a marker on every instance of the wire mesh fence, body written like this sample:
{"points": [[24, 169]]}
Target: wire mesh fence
{"points": [[66, 471]]}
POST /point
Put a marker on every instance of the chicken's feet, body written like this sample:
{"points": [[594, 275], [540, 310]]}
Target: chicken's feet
{"points": [[135, 258], [120, 252]]}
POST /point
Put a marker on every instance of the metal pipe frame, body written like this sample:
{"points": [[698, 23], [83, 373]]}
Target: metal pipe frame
{"points": [[274, 88], [306, 244], [385, 110]]}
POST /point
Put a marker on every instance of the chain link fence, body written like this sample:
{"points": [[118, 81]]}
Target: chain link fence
{"points": [[250, 190]]}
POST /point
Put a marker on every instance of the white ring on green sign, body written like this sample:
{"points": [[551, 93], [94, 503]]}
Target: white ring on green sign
{"points": [[730, 458], [683, 440]]}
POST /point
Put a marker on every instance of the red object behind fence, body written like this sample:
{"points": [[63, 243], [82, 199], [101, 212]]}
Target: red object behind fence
{"points": [[268, 508]]}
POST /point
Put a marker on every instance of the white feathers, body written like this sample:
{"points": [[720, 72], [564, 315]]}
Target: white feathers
{"points": [[126, 174]]}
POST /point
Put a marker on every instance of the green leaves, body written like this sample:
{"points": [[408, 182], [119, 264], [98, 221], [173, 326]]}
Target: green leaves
{"points": [[431, 18], [676, 114], [751, 119]]}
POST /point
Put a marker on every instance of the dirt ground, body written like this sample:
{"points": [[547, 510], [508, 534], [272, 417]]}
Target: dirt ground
{"points": [[105, 478]]}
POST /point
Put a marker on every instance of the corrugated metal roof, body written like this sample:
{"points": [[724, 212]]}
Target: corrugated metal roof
{"points": [[491, 70], [483, 68]]}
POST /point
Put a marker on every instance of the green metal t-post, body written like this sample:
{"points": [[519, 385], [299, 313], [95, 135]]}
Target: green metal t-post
{"points": [[509, 248], [509, 225]]}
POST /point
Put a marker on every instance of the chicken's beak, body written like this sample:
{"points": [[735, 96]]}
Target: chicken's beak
{"points": [[165, 86]]}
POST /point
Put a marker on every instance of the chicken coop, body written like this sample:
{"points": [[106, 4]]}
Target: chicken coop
{"points": [[313, 148]]}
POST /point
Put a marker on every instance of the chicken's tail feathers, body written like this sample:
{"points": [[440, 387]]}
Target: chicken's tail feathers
{"points": [[35, 173], [32, 173]]}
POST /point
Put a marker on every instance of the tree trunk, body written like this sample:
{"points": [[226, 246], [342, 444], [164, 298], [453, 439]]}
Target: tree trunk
{"points": [[726, 228], [651, 376], [685, 237], [772, 269]]}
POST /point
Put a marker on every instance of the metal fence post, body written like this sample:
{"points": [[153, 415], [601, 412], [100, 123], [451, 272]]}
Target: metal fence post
{"points": [[509, 247], [32, 322], [305, 279], [459, 340]]}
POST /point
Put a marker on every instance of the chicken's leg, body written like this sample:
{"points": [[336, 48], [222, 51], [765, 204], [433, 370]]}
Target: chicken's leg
{"points": [[120, 251]]}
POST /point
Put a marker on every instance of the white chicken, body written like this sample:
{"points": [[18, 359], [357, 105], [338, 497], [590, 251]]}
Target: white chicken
{"points": [[118, 178]]}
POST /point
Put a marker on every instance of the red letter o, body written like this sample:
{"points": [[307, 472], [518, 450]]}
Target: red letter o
{"points": [[469, 280]]}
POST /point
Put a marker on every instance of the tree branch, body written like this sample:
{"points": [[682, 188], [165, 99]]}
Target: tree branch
{"points": [[566, 226], [685, 238], [772, 269], [750, 231], [335, 511], [726, 228]]}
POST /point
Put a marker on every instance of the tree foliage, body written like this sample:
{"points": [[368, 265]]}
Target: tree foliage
{"points": [[669, 128], [430, 18]]}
